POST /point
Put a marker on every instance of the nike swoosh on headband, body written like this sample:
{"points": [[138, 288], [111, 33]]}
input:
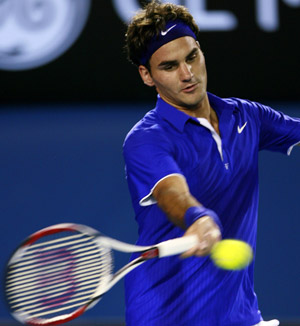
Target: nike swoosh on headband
{"points": [[163, 33]]}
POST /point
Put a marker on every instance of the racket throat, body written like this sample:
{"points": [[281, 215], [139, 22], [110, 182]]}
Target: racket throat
{"points": [[150, 253]]}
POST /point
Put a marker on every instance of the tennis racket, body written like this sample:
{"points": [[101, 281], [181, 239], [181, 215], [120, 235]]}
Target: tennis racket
{"points": [[59, 272]]}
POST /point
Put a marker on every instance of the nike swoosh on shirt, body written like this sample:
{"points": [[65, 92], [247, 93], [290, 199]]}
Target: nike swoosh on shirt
{"points": [[164, 33], [240, 129]]}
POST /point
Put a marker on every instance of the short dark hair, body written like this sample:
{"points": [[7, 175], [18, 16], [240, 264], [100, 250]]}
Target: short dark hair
{"points": [[148, 23]]}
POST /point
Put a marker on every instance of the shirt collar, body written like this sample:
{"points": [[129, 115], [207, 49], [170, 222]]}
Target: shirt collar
{"points": [[178, 118]]}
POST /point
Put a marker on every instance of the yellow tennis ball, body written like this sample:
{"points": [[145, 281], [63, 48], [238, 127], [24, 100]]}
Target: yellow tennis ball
{"points": [[231, 254]]}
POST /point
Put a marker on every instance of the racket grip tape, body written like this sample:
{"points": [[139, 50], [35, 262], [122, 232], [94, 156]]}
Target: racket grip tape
{"points": [[177, 246]]}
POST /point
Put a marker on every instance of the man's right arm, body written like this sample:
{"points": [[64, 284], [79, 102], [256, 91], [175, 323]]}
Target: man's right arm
{"points": [[173, 197]]}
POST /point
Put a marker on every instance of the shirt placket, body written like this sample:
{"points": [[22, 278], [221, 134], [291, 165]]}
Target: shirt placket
{"points": [[216, 137]]}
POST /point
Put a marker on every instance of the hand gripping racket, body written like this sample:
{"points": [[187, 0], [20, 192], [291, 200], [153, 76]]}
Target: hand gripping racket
{"points": [[59, 272]]}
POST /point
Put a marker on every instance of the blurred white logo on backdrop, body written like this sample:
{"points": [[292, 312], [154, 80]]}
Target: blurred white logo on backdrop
{"points": [[35, 32], [267, 13]]}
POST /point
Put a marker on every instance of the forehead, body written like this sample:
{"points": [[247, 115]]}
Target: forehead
{"points": [[175, 50]]}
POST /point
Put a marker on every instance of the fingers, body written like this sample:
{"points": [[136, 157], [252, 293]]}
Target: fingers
{"points": [[199, 250], [208, 233]]}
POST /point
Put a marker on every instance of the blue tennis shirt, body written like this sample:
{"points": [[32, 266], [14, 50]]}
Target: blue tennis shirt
{"points": [[222, 173]]}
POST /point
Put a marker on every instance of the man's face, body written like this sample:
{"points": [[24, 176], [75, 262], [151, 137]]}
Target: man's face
{"points": [[178, 72]]}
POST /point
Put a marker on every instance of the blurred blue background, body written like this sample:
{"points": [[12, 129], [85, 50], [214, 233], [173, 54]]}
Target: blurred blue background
{"points": [[64, 116], [64, 164]]}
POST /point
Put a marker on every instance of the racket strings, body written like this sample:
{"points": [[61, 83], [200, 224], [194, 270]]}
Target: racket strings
{"points": [[56, 275], [52, 283], [58, 266], [93, 264], [43, 253]]}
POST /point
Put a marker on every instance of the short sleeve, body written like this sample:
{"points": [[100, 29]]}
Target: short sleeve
{"points": [[149, 157], [278, 132]]}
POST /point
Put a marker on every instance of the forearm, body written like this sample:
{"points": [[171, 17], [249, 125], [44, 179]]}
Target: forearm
{"points": [[173, 197], [175, 203]]}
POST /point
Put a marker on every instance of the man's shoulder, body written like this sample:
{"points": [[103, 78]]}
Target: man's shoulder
{"points": [[232, 103], [245, 106], [241, 103], [147, 127]]}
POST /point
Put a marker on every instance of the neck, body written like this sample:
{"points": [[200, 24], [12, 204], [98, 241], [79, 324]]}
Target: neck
{"points": [[202, 110]]}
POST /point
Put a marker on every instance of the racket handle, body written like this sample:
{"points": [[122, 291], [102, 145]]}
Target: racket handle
{"points": [[177, 246]]}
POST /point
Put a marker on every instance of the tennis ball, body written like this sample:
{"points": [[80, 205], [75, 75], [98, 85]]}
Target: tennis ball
{"points": [[231, 254]]}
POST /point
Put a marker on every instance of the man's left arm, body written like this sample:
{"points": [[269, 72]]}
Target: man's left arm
{"points": [[278, 132]]}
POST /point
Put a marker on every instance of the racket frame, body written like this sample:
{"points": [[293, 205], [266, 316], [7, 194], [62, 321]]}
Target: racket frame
{"points": [[163, 249]]}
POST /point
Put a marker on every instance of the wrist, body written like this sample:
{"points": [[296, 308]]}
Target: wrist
{"points": [[192, 214]]}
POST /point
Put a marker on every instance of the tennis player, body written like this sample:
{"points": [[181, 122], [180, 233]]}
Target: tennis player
{"points": [[192, 168]]}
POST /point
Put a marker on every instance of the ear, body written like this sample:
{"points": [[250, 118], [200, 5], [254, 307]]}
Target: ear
{"points": [[146, 76]]}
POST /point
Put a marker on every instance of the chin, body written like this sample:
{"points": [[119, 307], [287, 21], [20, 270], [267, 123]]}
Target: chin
{"points": [[193, 104]]}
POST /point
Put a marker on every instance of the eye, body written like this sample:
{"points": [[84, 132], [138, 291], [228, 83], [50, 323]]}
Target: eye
{"points": [[192, 57], [168, 67]]}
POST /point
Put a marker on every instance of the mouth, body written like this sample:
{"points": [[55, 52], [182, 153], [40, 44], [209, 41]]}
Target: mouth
{"points": [[190, 88]]}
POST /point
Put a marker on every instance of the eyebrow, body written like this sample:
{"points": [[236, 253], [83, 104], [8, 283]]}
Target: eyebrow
{"points": [[174, 62]]}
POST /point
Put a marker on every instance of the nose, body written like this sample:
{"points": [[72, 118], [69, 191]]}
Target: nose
{"points": [[186, 73]]}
